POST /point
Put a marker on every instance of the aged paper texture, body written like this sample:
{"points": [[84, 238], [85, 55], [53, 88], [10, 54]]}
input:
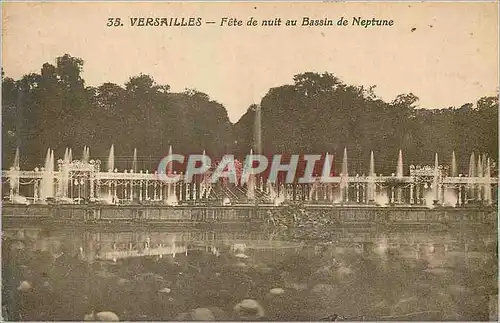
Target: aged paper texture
{"points": [[251, 161]]}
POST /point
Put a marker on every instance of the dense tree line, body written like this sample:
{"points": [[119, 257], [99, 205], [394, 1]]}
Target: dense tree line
{"points": [[55, 109], [317, 113]]}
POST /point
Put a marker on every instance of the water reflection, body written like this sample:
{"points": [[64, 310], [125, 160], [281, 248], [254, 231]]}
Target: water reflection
{"points": [[53, 274]]}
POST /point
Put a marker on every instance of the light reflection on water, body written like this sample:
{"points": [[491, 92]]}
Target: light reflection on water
{"points": [[167, 274]]}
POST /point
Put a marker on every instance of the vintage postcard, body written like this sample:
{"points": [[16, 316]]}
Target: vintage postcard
{"points": [[250, 161]]}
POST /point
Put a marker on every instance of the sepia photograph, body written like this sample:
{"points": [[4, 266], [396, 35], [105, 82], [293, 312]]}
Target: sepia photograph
{"points": [[249, 161]]}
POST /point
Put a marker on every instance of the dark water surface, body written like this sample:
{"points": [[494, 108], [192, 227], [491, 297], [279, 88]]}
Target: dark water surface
{"points": [[359, 274]]}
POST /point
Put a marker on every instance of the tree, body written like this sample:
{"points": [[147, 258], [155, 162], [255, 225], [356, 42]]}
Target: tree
{"points": [[317, 113]]}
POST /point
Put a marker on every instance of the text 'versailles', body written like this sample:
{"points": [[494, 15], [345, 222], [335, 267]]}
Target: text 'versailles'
{"points": [[166, 22]]}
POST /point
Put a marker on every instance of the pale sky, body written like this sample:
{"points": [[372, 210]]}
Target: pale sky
{"points": [[450, 58]]}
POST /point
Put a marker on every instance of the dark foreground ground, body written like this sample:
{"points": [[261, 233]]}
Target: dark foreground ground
{"points": [[50, 274]]}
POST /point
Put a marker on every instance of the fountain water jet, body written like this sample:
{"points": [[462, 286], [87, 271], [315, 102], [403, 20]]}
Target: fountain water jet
{"points": [[172, 200], [327, 167], [371, 184], [14, 178], [450, 198], [274, 197], [451, 195], [134, 161], [486, 183], [272, 192], [381, 199], [344, 163], [472, 173], [65, 178], [47, 183], [325, 174], [399, 175], [170, 165], [344, 179], [52, 160], [86, 154], [258, 130], [484, 159], [399, 169], [372, 165], [171, 195], [111, 159], [453, 165], [487, 179], [479, 174], [472, 166], [17, 160], [435, 184], [429, 199], [251, 180], [109, 197], [279, 200], [204, 182]]}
